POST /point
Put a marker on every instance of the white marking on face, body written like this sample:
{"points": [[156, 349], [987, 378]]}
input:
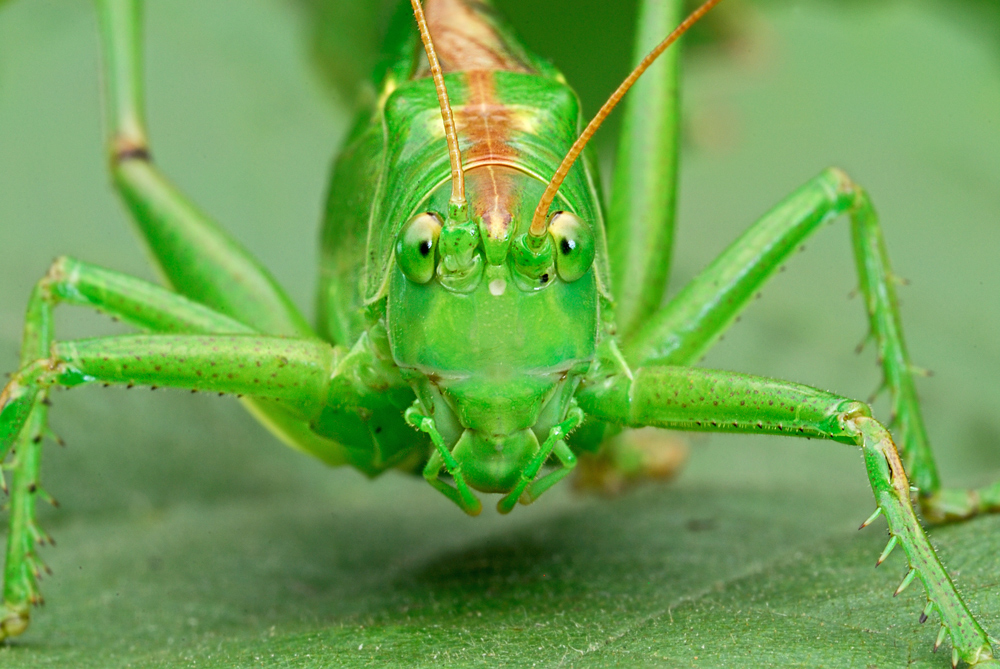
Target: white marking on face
{"points": [[497, 287]]}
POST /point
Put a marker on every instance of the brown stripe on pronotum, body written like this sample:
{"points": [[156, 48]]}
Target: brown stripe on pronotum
{"points": [[465, 39], [539, 224]]}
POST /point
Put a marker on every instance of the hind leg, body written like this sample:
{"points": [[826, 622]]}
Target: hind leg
{"points": [[640, 227], [193, 253]]}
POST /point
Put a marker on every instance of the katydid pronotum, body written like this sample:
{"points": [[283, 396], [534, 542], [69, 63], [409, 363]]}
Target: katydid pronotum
{"points": [[597, 355]]}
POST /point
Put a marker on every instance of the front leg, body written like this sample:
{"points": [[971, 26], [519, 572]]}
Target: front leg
{"points": [[692, 321], [685, 398], [295, 374], [24, 405]]}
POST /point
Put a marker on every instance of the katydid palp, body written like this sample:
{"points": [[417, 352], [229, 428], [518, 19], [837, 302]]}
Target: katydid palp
{"points": [[524, 384]]}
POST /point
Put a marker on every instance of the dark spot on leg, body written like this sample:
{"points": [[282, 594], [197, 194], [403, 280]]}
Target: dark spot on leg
{"points": [[132, 152]]}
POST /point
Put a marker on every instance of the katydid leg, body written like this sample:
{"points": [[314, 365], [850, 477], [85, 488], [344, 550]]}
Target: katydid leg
{"points": [[688, 398], [695, 318], [643, 200], [296, 374], [24, 406], [196, 256], [528, 489], [441, 458], [23, 424], [139, 303], [154, 309]]}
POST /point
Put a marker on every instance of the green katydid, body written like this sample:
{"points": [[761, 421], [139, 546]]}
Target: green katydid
{"points": [[499, 274]]}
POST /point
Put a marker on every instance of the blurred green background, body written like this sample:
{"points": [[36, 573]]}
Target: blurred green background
{"points": [[189, 537]]}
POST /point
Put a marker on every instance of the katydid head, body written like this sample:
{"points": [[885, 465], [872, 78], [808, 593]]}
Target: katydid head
{"points": [[491, 339], [492, 308]]}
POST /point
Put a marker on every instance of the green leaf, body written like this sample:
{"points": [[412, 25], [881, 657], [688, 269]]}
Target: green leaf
{"points": [[188, 536]]}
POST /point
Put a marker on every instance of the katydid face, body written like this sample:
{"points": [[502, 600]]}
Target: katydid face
{"points": [[467, 333]]}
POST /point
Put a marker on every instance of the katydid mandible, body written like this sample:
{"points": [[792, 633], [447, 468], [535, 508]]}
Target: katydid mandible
{"points": [[446, 243]]}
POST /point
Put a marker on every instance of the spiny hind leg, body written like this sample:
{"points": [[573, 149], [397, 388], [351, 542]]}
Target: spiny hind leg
{"points": [[643, 199], [193, 253], [695, 318]]}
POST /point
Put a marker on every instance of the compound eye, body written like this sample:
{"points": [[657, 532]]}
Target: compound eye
{"points": [[574, 245], [416, 246]]}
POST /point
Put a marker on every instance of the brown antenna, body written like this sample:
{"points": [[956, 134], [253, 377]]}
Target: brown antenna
{"points": [[538, 221], [457, 175]]}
